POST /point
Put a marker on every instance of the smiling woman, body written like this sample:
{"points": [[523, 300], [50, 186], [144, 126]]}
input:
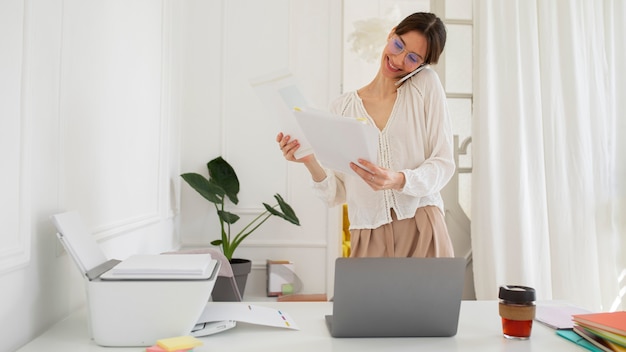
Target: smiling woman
{"points": [[396, 209], [363, 25]]}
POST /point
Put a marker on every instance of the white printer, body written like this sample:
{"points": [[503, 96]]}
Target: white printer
{"points": [[142, 299]]}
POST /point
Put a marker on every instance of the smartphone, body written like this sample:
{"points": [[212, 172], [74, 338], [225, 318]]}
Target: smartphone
{"points": [[418, 69]]}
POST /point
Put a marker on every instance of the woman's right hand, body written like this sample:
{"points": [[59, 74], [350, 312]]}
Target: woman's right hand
{"points": [[289, 148]]}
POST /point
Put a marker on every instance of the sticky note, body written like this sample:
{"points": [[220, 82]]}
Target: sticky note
{"points": [[179, 343], [157, 348], [287, 289]]}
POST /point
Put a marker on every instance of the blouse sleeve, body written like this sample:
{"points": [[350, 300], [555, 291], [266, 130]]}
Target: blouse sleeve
{"points": [[331, 190], [437, 170]]}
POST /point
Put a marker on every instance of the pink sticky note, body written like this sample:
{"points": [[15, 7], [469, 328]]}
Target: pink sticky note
{"points": [[157, 348]]}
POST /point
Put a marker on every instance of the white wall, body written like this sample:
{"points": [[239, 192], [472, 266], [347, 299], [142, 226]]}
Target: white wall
{"points": [[105, 103], [226, 44], [86, 124]]}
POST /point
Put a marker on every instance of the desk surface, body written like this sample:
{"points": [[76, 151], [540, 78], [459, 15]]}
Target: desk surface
{"points": [[479, 330]]}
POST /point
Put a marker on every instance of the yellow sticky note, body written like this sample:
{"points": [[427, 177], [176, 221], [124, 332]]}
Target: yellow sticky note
{"points": [[179, 343]]}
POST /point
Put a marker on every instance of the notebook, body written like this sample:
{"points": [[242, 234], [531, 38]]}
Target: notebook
{"points": [[396, 297]]}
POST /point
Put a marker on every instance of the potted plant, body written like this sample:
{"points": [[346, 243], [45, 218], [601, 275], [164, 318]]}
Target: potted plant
{"points": [[223, 184]]}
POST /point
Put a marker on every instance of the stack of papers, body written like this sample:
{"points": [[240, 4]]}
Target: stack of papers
{"points": [[279, 93], [335, 140], [168, 266]]}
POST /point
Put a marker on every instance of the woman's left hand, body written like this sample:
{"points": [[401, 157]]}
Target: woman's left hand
{"points": [[377, 177]]}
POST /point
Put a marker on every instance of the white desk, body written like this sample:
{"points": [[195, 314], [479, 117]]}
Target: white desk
{"points": [[479, 330]]}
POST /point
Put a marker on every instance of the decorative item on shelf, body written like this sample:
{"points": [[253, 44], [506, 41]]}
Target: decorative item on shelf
{"points": [[223, 184], [281, 277]]}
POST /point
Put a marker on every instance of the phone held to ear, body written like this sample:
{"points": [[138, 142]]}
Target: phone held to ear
{"points": [[413, 73]]}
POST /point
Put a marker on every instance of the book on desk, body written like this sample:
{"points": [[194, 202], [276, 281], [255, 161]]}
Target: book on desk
{"points": [[608, 329], [604, 331]]}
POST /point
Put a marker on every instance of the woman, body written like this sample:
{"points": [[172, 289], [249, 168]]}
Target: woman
{"points": [[395, 208]]}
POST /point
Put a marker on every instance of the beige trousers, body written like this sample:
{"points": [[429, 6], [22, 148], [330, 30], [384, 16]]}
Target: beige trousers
{"points": [[424, 235]]}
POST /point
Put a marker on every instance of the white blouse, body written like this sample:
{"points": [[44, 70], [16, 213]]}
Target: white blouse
{"points": [[416, 141]]}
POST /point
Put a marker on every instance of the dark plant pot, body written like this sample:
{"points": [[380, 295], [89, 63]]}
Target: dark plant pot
{"points": [[222, 291]]}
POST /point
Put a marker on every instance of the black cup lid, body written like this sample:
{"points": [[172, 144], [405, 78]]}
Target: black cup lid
{"points": [[517, 294]]}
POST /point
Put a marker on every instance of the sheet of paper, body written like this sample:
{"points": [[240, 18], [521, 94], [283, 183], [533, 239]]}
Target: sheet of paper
{"points": [[78, 241], [242, 312], [279, 93], [338, 140], [557, 316], [163, 266]]}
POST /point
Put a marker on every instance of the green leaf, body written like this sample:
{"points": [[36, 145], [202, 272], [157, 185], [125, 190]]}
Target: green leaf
{"points": [[273, 211], [224, 175], [209, 190], [292, 219], [228, 252], [222, 183], [290, 215], [227, 217]]}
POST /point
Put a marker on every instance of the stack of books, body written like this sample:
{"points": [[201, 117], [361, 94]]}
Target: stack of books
{"points": [[605, 331]]}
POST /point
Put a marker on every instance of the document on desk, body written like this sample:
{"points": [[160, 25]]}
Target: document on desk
{"points": [[557, 316], [338, 140], [246, 313]]}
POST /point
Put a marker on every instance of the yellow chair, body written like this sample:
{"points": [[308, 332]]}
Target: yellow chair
{"points": [[345, 238]]}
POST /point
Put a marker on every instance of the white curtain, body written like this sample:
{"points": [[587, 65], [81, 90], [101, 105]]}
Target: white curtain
{"points": [[549, 156]]}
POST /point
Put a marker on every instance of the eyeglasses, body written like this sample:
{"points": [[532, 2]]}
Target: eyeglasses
{"points": [[396, 47]]}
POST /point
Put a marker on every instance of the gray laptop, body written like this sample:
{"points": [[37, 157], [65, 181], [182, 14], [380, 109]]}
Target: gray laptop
{"points": [[396, 297]]}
